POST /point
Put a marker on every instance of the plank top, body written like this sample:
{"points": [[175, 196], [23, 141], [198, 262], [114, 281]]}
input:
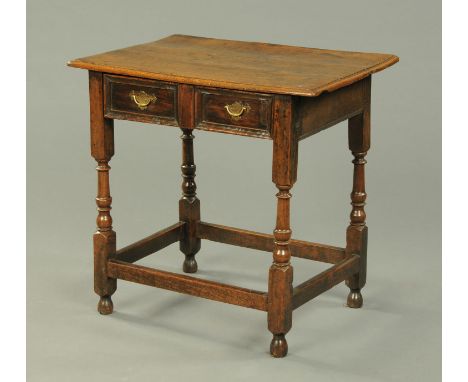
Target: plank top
{"points": [[250, 66]]}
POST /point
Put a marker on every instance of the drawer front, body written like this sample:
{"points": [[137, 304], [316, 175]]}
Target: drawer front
{"points": [[140, 100], [234, 112]]}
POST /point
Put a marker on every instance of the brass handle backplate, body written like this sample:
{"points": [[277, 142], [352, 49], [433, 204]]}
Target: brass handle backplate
{"points": [[142, 99], [236, 109]]}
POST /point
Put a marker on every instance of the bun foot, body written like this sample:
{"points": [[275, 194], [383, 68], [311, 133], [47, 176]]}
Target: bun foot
{"points": [[354, 299], [190, 264], [105, 305], [279, 346]]}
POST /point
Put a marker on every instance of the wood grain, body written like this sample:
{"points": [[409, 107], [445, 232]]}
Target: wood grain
{"points": [[324, 281], [150, 244], [319, 113], [359, 130], [186, 106], [251, 66], [119, 104], [291, 94], [189, 204], [211, 113], [265, 242], [189, 285], [102, 149], [284, 174]]}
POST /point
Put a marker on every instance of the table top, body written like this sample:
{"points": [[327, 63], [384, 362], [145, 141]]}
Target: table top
{"points": [[250, 66]]}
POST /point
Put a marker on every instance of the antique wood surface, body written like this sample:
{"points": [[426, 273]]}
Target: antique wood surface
{"points": [[189, 204], [150, 244], [324, 281], [118, 91], [186, 106], [265, 242], [284, 174], [102, 150], [356, 234], [318, 113], [251, 66], [212, 112], [189, 285], [276, 92]]}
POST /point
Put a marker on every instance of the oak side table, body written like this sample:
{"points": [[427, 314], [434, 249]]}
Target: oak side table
{"points": [[277, 92]]}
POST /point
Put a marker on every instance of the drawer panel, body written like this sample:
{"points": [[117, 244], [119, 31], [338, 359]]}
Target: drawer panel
{"points": [[234, 112], [140, 100]]}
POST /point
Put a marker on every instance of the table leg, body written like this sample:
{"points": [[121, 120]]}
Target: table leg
{"points": [[281, 272], [356, 234], [102, 149], [189, 204], [280, 279]]}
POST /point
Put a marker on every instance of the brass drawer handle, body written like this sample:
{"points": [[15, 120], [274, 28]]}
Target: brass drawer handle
{"points": [[142, 99], [236, 109]]}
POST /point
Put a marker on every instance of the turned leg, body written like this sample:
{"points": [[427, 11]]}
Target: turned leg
{"points": [[104, 241], [356, 234], [102, 149], [280, 278], [281, 272], [189, 204]]}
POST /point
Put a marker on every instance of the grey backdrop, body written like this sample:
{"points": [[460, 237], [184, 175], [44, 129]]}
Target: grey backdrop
{"points": [[156, 335]]}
